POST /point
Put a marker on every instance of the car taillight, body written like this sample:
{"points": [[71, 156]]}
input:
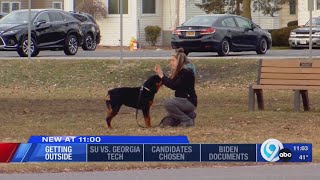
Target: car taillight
{"points": [[207, 31], [176, 32]]}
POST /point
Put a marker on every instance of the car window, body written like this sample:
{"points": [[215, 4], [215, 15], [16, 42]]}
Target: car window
{"points": [[56, 16], [315, 22], [243, 23], [43, 16], [17, 17], [229, 22], [68, 16], [201, 21], [80, 17], [92, 19]]}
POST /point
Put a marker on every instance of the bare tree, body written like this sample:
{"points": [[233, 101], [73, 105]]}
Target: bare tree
{"points": [[267, 7], [96, 8], [221, 6], [247, 9]]}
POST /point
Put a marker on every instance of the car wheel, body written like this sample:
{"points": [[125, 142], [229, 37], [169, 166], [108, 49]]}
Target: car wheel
{"points": [[89, 44], [71, 45], [23, 49], [224, 48], [262, 46]]}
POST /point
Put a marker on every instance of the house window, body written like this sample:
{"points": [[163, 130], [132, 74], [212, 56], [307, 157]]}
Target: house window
{"points": [[10, 6], [204, 1], [292, 6], [114, 6], [57, 5], [318, 4], [148, 6]]}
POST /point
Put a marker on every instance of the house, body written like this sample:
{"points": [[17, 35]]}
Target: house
{"points": [[304, 13], [11, 5], [167, 14], [141, 13], [288, 12], [137, 15]]}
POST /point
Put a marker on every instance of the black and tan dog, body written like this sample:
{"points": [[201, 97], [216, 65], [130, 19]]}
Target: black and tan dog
{"points": [[129, 96]]}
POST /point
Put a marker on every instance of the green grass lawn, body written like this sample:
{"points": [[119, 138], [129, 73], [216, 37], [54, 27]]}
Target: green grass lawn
{"points": [[67, 98]]}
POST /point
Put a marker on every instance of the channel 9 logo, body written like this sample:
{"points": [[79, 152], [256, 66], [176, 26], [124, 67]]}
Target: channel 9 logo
{"points": [[272, 150]]}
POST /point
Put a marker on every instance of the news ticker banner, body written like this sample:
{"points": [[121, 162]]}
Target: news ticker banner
{"points": [[148, 149]]}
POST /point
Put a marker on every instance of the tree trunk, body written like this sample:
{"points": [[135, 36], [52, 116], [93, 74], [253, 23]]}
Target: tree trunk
{"points": [[237, 11], [247, 9]]}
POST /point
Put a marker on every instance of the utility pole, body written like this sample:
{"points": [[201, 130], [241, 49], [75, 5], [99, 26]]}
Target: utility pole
{"points": [[177, 4], [310, 7], [121, 31], [29, 30]]}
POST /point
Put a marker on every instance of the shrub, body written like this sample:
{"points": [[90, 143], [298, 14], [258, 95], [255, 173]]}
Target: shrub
{"points": [[293, 23], [280, 36], [152, 34]]}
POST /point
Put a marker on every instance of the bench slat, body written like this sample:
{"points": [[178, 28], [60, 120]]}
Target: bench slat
{"points": [[289, 82], [288, 63], [286, 87], [290, 76], [290, 70]]}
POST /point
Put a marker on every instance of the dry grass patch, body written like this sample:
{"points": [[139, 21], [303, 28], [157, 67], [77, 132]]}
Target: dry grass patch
{"points": [[67, 98]]}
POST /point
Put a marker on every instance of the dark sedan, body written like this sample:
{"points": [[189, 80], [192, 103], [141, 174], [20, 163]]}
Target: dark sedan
{"points": [[220, 33], [50, 30]]}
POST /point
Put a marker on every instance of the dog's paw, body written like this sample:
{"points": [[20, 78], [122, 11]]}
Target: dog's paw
{"points": [[108, 97]]}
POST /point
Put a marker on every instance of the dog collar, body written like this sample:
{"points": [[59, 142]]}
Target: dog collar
{"points": [[143, 87]]}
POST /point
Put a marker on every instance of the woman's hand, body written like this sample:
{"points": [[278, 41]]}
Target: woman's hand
{"points": [[158, 70]]}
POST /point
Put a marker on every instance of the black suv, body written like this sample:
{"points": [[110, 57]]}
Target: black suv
{"points": [[90, 29], [50, 30], [2, 15], [221, 33]]}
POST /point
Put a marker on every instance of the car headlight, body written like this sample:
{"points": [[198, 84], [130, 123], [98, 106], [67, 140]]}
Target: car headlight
{"points": [[293, 33], [11, 32]]}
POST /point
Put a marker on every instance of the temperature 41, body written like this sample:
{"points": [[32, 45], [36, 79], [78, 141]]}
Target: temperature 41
{"points": [[303, 157]]}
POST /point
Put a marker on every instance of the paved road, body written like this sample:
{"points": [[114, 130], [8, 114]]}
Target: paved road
{"points": [[279, 172], [112, 54]]}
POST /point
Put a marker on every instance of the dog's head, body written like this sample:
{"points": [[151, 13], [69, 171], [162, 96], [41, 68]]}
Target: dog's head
{"points": [[153, 83]]}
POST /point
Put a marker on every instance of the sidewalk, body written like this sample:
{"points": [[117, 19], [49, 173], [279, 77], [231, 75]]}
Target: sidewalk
{"points": [[126, 48]]}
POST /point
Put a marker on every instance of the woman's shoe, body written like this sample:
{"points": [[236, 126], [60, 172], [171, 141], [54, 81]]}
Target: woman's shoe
{"points": [[186, 123], [192, 115], [169, 121]]}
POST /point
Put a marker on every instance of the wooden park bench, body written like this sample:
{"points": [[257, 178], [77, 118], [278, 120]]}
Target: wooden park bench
{"points": [[285, 74]]}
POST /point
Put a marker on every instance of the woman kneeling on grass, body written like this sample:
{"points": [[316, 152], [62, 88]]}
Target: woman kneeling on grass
{"points": [[182, 79]]}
